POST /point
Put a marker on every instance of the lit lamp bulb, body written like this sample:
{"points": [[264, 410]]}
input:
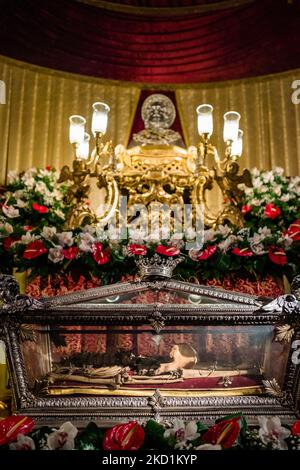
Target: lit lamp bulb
{"points": [[83, 150], [231, 126], [100, 118], [205, 119], [237, 145], [76, 129]]}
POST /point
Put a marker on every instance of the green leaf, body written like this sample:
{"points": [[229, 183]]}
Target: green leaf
{"points": [[154, 436], [91, 436]]}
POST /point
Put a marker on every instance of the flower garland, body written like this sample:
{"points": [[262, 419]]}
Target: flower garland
{"points": [[229, 432], [32, 237]]}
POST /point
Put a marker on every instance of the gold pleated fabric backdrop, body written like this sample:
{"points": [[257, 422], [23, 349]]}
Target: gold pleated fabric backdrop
{"points": [[270, 120], [34, 125], [34, 120]]}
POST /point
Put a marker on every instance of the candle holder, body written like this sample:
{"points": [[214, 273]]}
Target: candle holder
{"points": [[86, 166]]}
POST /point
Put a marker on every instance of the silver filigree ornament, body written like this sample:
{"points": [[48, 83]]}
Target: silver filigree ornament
{"points": [[157, 266]]}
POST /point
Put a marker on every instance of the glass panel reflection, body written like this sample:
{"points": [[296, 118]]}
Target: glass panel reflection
{"points": [[86, 359]]}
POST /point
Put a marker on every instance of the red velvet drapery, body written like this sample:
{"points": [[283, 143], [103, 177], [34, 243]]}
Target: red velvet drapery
{"points": [[253, 39]]}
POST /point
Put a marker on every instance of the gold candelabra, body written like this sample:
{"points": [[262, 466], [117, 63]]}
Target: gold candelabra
{"points": [[150, 173]]}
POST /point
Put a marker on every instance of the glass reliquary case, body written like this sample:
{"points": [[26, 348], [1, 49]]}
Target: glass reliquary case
{"points": [[156, 348]]}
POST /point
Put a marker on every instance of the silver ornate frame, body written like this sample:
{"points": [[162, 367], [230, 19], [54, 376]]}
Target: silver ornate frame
{"points": [[76, 308]]}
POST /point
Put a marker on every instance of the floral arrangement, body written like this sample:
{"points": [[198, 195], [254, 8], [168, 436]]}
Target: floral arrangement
{"points": [[30, 201], [32, 237], [228, 433]]}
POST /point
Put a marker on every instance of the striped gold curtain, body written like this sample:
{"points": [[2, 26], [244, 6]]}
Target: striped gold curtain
{"points": [[270, 120], [34, 121]]}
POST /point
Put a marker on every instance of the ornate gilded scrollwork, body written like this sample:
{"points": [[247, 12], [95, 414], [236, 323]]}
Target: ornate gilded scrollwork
{"points": [[273, 389], [11, 301], [40, 387], [156, 319], [156, 402], [288, 309], [156, 168]]}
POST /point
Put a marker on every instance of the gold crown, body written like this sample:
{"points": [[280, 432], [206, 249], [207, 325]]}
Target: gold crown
{"points": [[157, 265]]}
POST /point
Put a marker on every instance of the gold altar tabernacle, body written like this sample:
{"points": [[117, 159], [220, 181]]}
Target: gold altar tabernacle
{"points": [[155, 168]]}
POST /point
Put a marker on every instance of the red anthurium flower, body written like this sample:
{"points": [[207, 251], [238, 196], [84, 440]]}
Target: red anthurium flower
{"points": [[294, 230], [272, 211], [40, 209], [27, 228], [167, 250], [207, 253], [48, 167], [242, 252], [223, 433], [11, 426], [246, 208], [129, 436], [277, 255], [70, 253], [135, 249], [34, 249], [100, 256], [295, 429], [8, 242]]}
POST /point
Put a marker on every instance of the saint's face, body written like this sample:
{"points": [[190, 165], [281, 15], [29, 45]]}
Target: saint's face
{"points": [[157, 116]]}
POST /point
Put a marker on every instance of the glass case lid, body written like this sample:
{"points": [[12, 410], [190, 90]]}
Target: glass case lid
{"points": [[164, 292]]}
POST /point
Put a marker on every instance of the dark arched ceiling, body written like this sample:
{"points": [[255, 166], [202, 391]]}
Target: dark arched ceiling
{"points": [[168, 41]]}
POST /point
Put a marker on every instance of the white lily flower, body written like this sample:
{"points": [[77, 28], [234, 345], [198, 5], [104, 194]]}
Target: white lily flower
{"points": [[285, 197], [6, 227], [183, 432], [21, 204], [28, 238], [59, 213], [224, 230], [277, 190], [22, 443], [41, 187], [227, 243], [12, 176], [10, 211], [286, 240], [256, 202], [29, 182], [56, 254], [48, 232], [258, 249], [86, 241], [209, 235], [90, 229], [265, 232], [255, 171], [65, 238], [271, 432], [63, 438], [278, 171], [268, 176]]}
